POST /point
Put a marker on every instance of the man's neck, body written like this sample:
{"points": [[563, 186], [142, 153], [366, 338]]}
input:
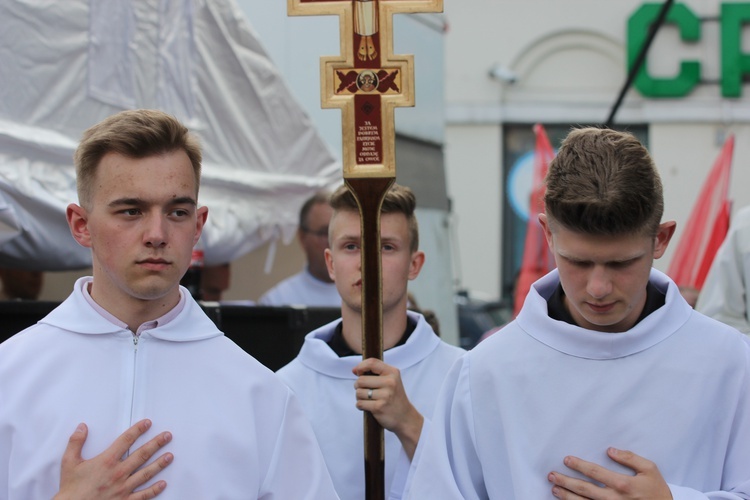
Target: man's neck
{"points": [[320, 275], [134, 312], [394, 326], [558, 310]]}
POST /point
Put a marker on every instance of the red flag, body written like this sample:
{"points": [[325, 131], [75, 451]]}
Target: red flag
{"points": [[537, 260], [707, 225]]}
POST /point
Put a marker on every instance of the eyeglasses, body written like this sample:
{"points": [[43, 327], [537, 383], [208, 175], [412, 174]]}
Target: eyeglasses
{"points": [[320, 233]]}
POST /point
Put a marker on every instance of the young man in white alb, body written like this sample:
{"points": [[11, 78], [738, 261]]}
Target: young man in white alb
{"points": [[607, 385], [331, 379], [130, 347]]}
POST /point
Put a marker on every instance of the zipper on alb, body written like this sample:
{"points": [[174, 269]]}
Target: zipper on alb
{"points": [[132, 387]]}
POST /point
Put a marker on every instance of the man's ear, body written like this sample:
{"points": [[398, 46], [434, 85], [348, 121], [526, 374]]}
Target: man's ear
{"points": [[417, 261], [544, 222], [663, 236], [78, 223], [201, 217], [329, 264]]}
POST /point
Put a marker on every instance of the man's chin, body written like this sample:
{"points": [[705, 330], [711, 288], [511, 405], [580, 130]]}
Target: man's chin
{"points": [[354, 306], [154, 290], [607, 325]]}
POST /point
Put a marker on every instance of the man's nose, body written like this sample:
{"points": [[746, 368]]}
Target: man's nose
{"points": [[599, 283], [155, 234]]}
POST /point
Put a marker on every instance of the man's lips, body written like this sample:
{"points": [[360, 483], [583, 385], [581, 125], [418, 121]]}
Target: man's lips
{"points": [[601, 308], [154, 264]]}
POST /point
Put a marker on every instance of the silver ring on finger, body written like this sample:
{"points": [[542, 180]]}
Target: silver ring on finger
{"points": [[369, 393]]}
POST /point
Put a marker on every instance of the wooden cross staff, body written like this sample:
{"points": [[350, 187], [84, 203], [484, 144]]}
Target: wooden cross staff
{"points": [[367, 81]]}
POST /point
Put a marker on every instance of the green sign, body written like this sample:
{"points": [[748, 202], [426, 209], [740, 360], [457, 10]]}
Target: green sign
{"points": [[734, 63]]}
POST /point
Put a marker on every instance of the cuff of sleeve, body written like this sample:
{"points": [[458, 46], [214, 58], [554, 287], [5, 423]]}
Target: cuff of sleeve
{"points": [[404, 469], [683, 493]]}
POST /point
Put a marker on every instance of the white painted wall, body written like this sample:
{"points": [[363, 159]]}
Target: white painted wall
{"points": [[472, 156]]}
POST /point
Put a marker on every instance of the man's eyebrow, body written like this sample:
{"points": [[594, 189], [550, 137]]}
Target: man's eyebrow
{"points": [[613, 261], [627, 259], [126, 201], [347, 237], [182, 200]]}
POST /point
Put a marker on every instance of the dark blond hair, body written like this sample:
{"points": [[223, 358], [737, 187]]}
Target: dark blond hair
{"points": [[398, 200], [136, 133], [604, 182]]}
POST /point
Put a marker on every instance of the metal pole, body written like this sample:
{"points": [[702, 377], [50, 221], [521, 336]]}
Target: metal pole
{"points": [[638, 63]]}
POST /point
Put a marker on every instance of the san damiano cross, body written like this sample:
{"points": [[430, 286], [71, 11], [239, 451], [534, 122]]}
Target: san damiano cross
{"points": [[367, 81]]}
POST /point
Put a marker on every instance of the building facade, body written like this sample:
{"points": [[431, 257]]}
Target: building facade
{"points": [[513, 63]]}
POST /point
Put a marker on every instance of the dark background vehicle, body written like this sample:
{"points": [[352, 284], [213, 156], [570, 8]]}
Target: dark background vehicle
{"points": [[477, 316]]}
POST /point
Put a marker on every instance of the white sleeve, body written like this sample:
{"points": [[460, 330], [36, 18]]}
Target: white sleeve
{"points": [[735, 473], [681, 493], [268, 298], [405, 467], [724, 294], [448, 464], [296, 455], [5, 443]]}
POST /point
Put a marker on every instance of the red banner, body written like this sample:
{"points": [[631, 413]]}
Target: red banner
{"points": [[707, 225], [537, 260]]}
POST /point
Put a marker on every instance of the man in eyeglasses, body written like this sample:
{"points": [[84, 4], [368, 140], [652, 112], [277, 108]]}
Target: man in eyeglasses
{"points": [[312, 286]]}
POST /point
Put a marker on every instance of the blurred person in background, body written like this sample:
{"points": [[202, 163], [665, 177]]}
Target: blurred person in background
{"points": [[312, 286], [19, 284]]}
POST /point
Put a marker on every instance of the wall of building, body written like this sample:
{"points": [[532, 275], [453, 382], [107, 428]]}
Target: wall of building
{"points": [[565, 63], [474, 186]]}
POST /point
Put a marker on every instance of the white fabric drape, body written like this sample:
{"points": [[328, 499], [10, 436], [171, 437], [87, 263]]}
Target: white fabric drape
{"points": [[68, 65]]}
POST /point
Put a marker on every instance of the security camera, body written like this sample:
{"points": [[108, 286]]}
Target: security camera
{"points": [[502, 74]]}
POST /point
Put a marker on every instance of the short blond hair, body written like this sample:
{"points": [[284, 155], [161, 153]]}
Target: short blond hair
{"points": [[399, 200], [136, 133]]}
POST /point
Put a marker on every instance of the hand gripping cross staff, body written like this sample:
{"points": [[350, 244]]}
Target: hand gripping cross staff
{"points": [[367, 81]]}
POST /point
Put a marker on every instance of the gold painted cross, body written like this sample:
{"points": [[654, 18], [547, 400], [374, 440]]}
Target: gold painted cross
{"points": [[367, 81]]}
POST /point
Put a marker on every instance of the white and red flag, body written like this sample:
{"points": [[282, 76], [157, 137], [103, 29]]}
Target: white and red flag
{"points": [[537, 259], [707, 225]]}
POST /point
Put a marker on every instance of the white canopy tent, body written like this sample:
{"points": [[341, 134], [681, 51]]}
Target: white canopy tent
{"points": [[67, 65]]}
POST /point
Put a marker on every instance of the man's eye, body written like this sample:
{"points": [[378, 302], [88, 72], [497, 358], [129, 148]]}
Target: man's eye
{"points": [[131, 211], [621, 265], [580, 263]]}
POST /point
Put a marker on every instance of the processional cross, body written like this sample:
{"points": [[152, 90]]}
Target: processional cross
{"points": [[367, 81]]}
